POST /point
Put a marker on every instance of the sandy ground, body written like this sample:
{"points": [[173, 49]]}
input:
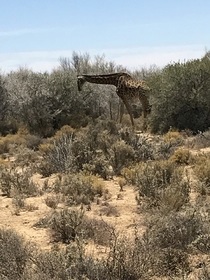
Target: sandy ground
{"points": [[23, 221], [125, 220]]}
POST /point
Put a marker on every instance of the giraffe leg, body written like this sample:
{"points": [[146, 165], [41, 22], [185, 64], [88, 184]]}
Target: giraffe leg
{"points": [[122, 107], [142, 100], [128, 107], [144, 127]]}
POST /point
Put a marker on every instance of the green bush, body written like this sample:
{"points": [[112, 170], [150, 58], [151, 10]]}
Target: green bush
{"points": [[30, 101], [181, 94], [45, 102]]}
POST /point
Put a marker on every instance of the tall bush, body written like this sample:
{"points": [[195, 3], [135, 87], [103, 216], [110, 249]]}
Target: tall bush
{"points": [[181, 96]]}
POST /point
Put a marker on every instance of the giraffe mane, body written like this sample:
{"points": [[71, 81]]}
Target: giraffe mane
{"points": [[105, 75]]}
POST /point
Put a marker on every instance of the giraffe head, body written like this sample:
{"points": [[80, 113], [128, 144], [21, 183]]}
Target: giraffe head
{"points": [[80, 82]]}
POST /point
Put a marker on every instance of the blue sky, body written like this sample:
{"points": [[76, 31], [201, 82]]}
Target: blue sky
{"points": [[134, 33]]}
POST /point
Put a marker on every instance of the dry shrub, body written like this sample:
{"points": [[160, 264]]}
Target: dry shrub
{"points": [[31, 207], [14, 254], [176, 230], [57, 155], [91, 148], [202, 243], [25, 157], [141, 259], [79, 188], [157, 172], [52, 201], [97, 230], [201, 140], [45, 147], [159, 184], [17, 182], [109, 210], [181, 156], [10, 142], [144, 146], [174, 197], [66, 129], [48, 265], [19, 202], [57, 152], [165, 149], [33, 141], [122, 155], [167, 144], [67, 263], [64, 224], [130, 260], [4, 145], [99, 165], [172, 262], [202, 170], [174, 137], [129, 173], [152, 177]]}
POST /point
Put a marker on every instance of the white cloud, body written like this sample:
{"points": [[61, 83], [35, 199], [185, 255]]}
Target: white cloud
{"points": [[133, 58], [160, 56], [37, 61], [24, 31]]}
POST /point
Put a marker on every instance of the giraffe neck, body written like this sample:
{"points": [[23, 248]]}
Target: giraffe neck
{"points": [[109, 79]]}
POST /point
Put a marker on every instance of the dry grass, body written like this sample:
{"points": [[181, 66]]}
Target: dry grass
{"points": [[74, 209]]}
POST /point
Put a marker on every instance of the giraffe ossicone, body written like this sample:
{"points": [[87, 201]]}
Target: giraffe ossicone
{"points": [[127, 88]]}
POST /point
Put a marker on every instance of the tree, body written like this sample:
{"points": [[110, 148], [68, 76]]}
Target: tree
{"points": [[181, 96]]}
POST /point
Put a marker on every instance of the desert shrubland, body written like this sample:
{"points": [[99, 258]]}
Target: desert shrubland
{"points": [[67, 150]]}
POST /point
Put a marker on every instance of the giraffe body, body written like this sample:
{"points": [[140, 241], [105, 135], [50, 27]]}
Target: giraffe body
{"points": [[127, 89]]}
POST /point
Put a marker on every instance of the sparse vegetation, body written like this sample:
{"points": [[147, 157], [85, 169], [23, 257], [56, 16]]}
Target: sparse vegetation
{"points": [[65, 224], [78, 188], [160, 183], [14, 255], [17, 182], [181, 156], [61, 150], [202, 171]]}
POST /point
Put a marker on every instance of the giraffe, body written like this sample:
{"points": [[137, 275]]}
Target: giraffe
{"points": [[127, 89]]}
